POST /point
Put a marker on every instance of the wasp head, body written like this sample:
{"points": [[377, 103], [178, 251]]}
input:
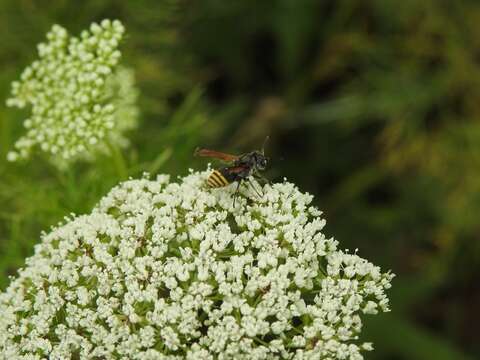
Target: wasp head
{"points": [[260, 160]]}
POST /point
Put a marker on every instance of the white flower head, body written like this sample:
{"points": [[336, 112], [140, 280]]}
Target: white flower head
{"points": [[172, 270], [79, 97]]}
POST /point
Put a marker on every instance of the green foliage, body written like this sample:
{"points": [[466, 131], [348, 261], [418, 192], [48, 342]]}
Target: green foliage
{"points": [[377, 102]]}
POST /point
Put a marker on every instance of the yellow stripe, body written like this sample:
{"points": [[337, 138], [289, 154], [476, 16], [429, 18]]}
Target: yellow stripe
{"points": [[213, 182], [216, 179], [218, 175]]}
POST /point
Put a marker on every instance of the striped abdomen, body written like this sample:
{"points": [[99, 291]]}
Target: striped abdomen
{"points": [[216, 180]]}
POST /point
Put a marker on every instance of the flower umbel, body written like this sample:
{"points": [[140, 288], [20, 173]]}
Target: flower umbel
{"points": [[172, 270], [69, 89]]}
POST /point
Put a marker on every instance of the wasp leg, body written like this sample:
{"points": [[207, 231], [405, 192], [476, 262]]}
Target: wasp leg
{"points": [[261, 177], [249, 182], [235, 194]]}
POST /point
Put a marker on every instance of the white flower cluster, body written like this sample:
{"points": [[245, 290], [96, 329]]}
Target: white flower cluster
{"points": [[72, 90], [164, 270], [121, 89]]}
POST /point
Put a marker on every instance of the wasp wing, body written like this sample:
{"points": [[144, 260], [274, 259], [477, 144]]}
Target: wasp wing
{"points": [[215, 154]]}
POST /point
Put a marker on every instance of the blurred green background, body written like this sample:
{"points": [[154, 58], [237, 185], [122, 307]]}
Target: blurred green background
{"points": [[372, 106]]}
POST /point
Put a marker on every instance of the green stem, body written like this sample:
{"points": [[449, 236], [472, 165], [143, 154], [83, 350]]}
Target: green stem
{"points": [[118, 160], [257, 339], [4, 132]]}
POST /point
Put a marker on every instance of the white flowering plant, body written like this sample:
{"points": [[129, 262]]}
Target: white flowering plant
{"points": [[172, 270], [81, 100]]}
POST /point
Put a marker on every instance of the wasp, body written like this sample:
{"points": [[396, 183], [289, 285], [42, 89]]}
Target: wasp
{"points": [[241, 168]]}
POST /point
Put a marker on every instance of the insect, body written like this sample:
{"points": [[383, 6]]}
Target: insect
{"points": [[241, 168]]}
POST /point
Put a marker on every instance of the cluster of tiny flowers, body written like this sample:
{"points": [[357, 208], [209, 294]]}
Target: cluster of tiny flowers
{"points": [[73, 93], [172, 270], [123, 94]]}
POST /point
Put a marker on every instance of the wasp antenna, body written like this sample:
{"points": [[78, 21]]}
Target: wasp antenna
{"points": [[264, 143]]}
